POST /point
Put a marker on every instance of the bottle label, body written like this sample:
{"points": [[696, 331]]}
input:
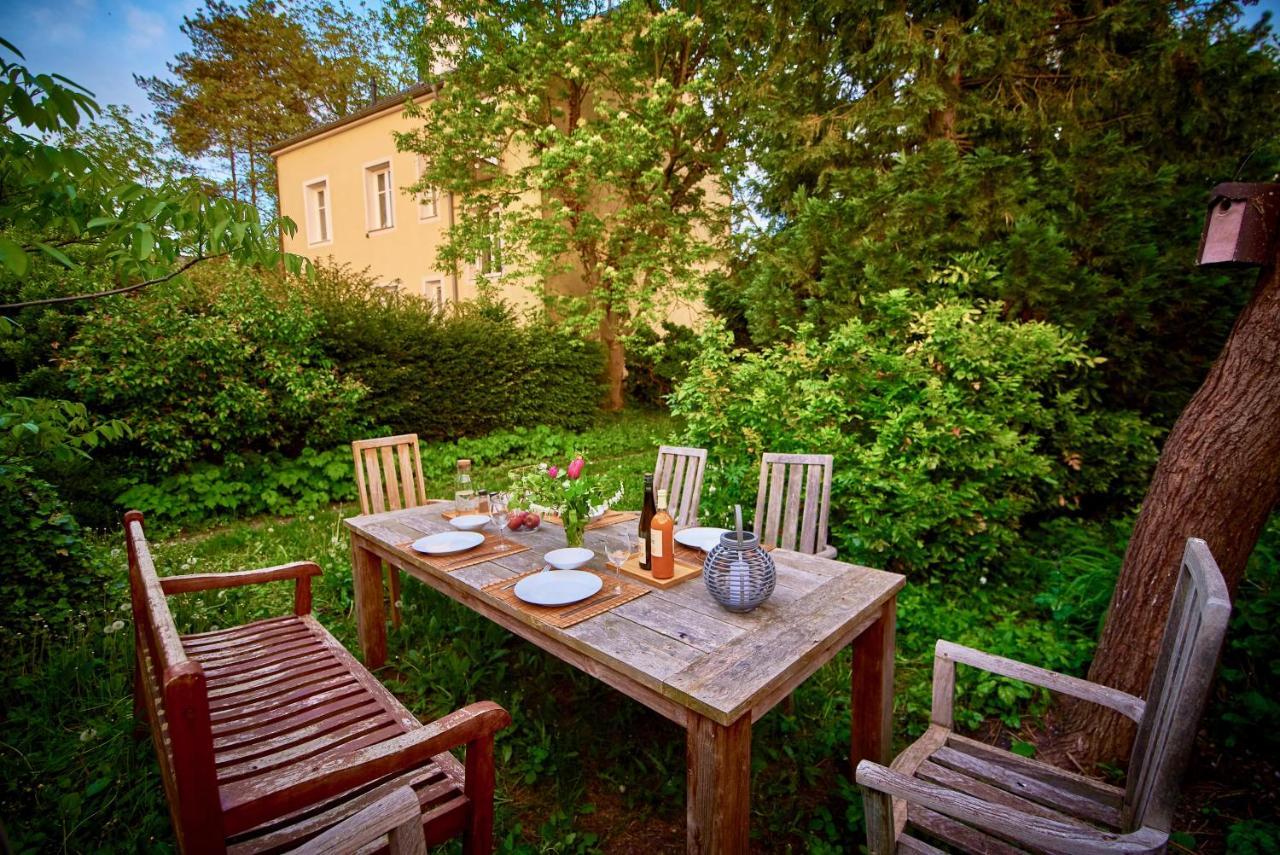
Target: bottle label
{"points": [[644, 551], [657, 547]]}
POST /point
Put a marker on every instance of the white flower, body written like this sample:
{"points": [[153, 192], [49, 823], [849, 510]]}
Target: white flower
{"points": [[87, 734], [112, 628], [982, 580], [124, 607], [542, 467], [311, 517]]}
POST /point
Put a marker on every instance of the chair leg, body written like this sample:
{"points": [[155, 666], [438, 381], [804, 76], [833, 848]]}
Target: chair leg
{"points": [[393, 577], [478, 837], [878, 810]]}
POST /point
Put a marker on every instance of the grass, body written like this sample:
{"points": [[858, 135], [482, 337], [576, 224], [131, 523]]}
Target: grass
{"points": [[583, 768]]}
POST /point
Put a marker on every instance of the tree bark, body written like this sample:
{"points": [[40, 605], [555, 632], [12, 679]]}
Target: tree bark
{"points": [[615, 362], [1219, 479]]}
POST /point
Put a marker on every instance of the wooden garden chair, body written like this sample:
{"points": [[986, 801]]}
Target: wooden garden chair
{"points": [[793, 501], [978, 798], [388, 478], [679, 471], [270, 734]]}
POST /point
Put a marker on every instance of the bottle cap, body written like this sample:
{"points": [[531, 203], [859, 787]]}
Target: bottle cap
{"points": [[464, 464]]}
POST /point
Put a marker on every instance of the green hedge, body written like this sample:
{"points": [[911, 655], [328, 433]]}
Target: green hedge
{"points": [[465, 372]]}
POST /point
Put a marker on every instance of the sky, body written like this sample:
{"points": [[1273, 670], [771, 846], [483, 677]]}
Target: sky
{"points": [[102, 44]]}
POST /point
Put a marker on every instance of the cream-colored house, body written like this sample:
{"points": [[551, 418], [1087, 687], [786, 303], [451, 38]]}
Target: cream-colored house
{"points": [[344, 184]]}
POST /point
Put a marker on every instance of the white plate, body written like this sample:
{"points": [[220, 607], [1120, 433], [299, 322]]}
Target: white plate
{"points": [[702, 537], [558, 587], [448, 542], [569, 558], [469, 522]]}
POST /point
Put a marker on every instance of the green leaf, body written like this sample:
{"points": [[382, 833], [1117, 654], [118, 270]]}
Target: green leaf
{"points": [[1023, 749], [57, 255], [13, 256]]}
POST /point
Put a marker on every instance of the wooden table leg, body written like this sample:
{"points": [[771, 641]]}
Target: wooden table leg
{"points": [[872, 687], [719, 798], [366, 568]]}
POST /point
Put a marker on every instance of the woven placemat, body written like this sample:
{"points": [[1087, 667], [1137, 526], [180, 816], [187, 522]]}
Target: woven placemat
{"points": [[487, 551], [608, 518], [684, 571], [564, 617]]}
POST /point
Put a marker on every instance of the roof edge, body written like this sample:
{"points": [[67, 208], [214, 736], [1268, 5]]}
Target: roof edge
{"points": [[412, 93]]}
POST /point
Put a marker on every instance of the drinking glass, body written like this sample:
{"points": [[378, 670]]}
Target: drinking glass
{"points": [[619, 545], [498, 515]]}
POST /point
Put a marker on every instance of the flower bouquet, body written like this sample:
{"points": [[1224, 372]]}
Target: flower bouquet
{"points": [[575, 497]]}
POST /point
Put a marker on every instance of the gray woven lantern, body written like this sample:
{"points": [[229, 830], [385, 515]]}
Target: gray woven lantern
{"points": [[739, 574]]}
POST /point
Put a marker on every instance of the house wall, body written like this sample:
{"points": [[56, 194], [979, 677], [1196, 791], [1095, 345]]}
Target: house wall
{"points": [[405, 254]]}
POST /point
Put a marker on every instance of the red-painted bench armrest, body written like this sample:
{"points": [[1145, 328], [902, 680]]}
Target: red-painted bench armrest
{"points": [[299, 571], [249, 804]]}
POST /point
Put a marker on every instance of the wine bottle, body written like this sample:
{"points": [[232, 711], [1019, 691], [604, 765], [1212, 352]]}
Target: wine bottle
{"points": [[646, 516], [662, 541]]}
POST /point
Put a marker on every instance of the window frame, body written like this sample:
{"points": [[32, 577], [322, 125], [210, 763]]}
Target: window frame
{"points": [[369, 174], [487, 255], [434, 205], [313, 211], [436, 284]]}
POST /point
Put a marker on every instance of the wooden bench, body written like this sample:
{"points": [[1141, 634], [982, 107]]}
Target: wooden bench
{"points": [[271, 733]]}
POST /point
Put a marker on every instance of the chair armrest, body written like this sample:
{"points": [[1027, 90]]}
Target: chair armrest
{"points": [[1008, 822], [946, 654], [396, 814], [249, 803], [210, 581], [299, 571]]}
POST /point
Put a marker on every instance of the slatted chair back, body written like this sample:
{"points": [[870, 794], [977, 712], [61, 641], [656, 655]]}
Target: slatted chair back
{"points": [[793, 501], [388, 473], [679, 471], [1179, 688], [171, 688]]}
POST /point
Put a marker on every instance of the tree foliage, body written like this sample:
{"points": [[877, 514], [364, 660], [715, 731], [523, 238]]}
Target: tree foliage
{"points": [[1068, 146], [63, 207], [579, 140], [259, 73]]}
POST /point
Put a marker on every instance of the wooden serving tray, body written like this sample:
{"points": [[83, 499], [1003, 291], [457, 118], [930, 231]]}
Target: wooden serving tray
{"points": [[684, 571], [491, 548]]}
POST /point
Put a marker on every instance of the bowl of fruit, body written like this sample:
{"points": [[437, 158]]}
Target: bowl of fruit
{"points": [[523, 520]]}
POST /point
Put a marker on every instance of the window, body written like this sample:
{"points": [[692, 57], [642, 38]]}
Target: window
{"points": [[316, 194], [428, 201], [379, 196], [433, 290], [490, 260]]}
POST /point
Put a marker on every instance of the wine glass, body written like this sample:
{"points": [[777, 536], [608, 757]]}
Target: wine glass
{"points": [[498, 515], [619, 545]]}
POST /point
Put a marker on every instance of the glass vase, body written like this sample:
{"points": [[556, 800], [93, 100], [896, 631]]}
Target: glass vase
{"points": [[575, 526]]}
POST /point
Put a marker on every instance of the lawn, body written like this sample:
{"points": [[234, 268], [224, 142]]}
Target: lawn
{"points": [[582, 768]]}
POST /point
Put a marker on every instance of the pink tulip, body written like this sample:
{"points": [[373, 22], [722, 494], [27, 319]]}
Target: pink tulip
{"points": [[575, 468], [552, 472]]}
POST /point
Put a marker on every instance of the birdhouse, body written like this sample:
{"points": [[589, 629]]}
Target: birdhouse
{"points": [[1240, 227]]}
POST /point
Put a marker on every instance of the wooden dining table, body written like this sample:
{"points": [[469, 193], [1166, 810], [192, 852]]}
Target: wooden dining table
{"points": [[711, 671]]}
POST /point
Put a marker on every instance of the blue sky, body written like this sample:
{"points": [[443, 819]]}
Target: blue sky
{"points": [[102, 44]]}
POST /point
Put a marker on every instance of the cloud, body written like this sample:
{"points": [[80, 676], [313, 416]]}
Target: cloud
{"points": [[143, 29]]}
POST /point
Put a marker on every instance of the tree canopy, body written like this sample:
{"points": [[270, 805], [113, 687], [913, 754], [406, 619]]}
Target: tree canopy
{"points": [[1052, 156], [580, 140]]}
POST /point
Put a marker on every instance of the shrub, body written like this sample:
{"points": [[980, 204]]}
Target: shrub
{"points": [[47, 574], [220, 363], [657, 362], [949, 427], [465, 372], [246, 484]]}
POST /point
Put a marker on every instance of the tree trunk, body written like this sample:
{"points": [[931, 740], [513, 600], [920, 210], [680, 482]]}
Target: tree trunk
{"points": [[253, 177], [231, 159], [615, 362], [1219, 479]]}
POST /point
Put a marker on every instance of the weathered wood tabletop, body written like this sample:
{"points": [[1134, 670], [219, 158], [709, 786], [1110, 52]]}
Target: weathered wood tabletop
{"points": [[676, 651]]}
